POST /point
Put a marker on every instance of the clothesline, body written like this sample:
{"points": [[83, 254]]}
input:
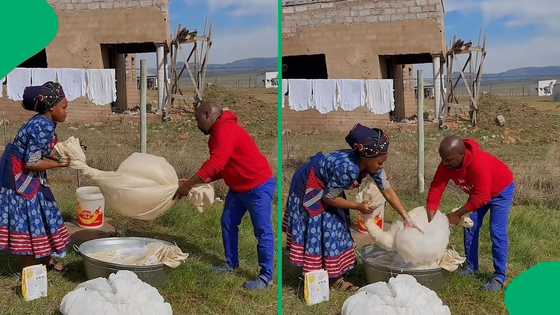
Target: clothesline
{"points": [[328, 95], [97, 84]]}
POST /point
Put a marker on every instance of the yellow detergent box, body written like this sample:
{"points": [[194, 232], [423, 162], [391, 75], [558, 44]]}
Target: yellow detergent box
{"points": [[34, 282], [316, 287]]}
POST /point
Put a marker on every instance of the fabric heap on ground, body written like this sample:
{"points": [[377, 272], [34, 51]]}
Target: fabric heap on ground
{"points": [[154, 253], [121, 294], [402, 295], [413, 246], [133, 190]]}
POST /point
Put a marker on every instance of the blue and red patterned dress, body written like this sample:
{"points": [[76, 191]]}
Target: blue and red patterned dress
{"points": [[30, 221], [318, 237]]}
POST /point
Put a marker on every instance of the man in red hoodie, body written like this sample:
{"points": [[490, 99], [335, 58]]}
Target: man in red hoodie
{"points": [[235, 158], [489, 183]]}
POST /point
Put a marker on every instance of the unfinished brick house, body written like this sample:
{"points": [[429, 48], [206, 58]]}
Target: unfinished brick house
{"points": [[360, 39], [103, 34]]}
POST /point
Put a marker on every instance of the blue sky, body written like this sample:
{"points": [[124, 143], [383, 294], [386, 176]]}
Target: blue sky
{"points": [[520, 33], [241, 28]]}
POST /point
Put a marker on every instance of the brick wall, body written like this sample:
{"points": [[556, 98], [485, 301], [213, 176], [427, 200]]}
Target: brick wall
{"points": [[312, 120], [312, 13], [108, 4]]}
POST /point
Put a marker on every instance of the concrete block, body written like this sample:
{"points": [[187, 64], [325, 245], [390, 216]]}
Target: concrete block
{"points": [[93, 6], [288, 10], [107, 5]]}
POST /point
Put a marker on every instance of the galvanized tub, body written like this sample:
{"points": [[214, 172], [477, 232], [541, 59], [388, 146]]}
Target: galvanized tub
{"points": [[155, 275], [376, 268]]}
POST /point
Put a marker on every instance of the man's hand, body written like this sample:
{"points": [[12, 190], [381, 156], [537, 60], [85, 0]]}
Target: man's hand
{"points": [[184, 188], [430, 214], [454, 218]]}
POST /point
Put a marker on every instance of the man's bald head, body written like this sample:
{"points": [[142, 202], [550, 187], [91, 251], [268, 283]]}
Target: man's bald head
{"points": [[206, 115], [452, 151]]}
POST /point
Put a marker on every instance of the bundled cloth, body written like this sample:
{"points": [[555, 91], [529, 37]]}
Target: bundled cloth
{"points": [[154, 253], [133, 190], [202, 196], [414, 247], [401, 295], [122, 294]]}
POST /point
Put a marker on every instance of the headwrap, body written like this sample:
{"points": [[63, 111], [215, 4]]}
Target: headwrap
{"points": [[367, 142], [41, 98]]}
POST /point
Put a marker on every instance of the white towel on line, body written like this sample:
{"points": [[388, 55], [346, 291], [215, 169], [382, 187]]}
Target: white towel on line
{"points": [[352, 94], [300, 94], [73, 82], [379, 96], [284, 90], [101, 89], [18, 80], [324, 95], [40, 76]]}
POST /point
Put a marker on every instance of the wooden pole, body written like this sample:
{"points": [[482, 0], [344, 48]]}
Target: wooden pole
{"points": [[143, 117], [420, 124]]}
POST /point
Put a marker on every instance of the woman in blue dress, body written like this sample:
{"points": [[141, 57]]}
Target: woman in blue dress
{"points": [[316, 220], [31, 225]]}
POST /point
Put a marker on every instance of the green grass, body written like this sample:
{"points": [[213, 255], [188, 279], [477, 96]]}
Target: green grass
{"points": [[192, 288]]}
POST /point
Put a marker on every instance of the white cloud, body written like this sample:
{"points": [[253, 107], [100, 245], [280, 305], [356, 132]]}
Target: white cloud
{"points": [[540, 50], [235, 45], [460, 5], [241, 8]]}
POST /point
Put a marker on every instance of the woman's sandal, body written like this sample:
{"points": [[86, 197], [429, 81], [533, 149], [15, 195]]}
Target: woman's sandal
{"points": [[343, 285], [55, 265]]}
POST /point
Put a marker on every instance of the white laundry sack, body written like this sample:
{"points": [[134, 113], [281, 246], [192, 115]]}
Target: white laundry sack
{"points": [[142, 187], [121, 294], [401, 295], [415, 247]]}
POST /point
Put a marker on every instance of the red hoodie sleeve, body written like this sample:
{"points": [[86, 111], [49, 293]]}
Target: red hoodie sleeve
{"points": [[221, 145], [439, 183], [481, 193]]}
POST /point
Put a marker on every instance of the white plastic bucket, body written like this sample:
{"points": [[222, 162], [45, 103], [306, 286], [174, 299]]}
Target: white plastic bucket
{"points": [[91, 207]]}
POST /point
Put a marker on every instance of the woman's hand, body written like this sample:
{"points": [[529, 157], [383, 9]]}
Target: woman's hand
{"points": [[64, 162], [365, 208], [409, 223]]}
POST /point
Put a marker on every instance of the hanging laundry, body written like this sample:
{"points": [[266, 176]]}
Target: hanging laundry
{"points": [[101, 89], [352, 94], [73, 82], [379, 96], [324, 95], [40, 76], [300, 94], [284, 90], [18, 80]]}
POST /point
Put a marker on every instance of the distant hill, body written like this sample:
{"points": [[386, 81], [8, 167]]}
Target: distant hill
{"points": [[524, 74], [251, 65], [517, 75]]}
